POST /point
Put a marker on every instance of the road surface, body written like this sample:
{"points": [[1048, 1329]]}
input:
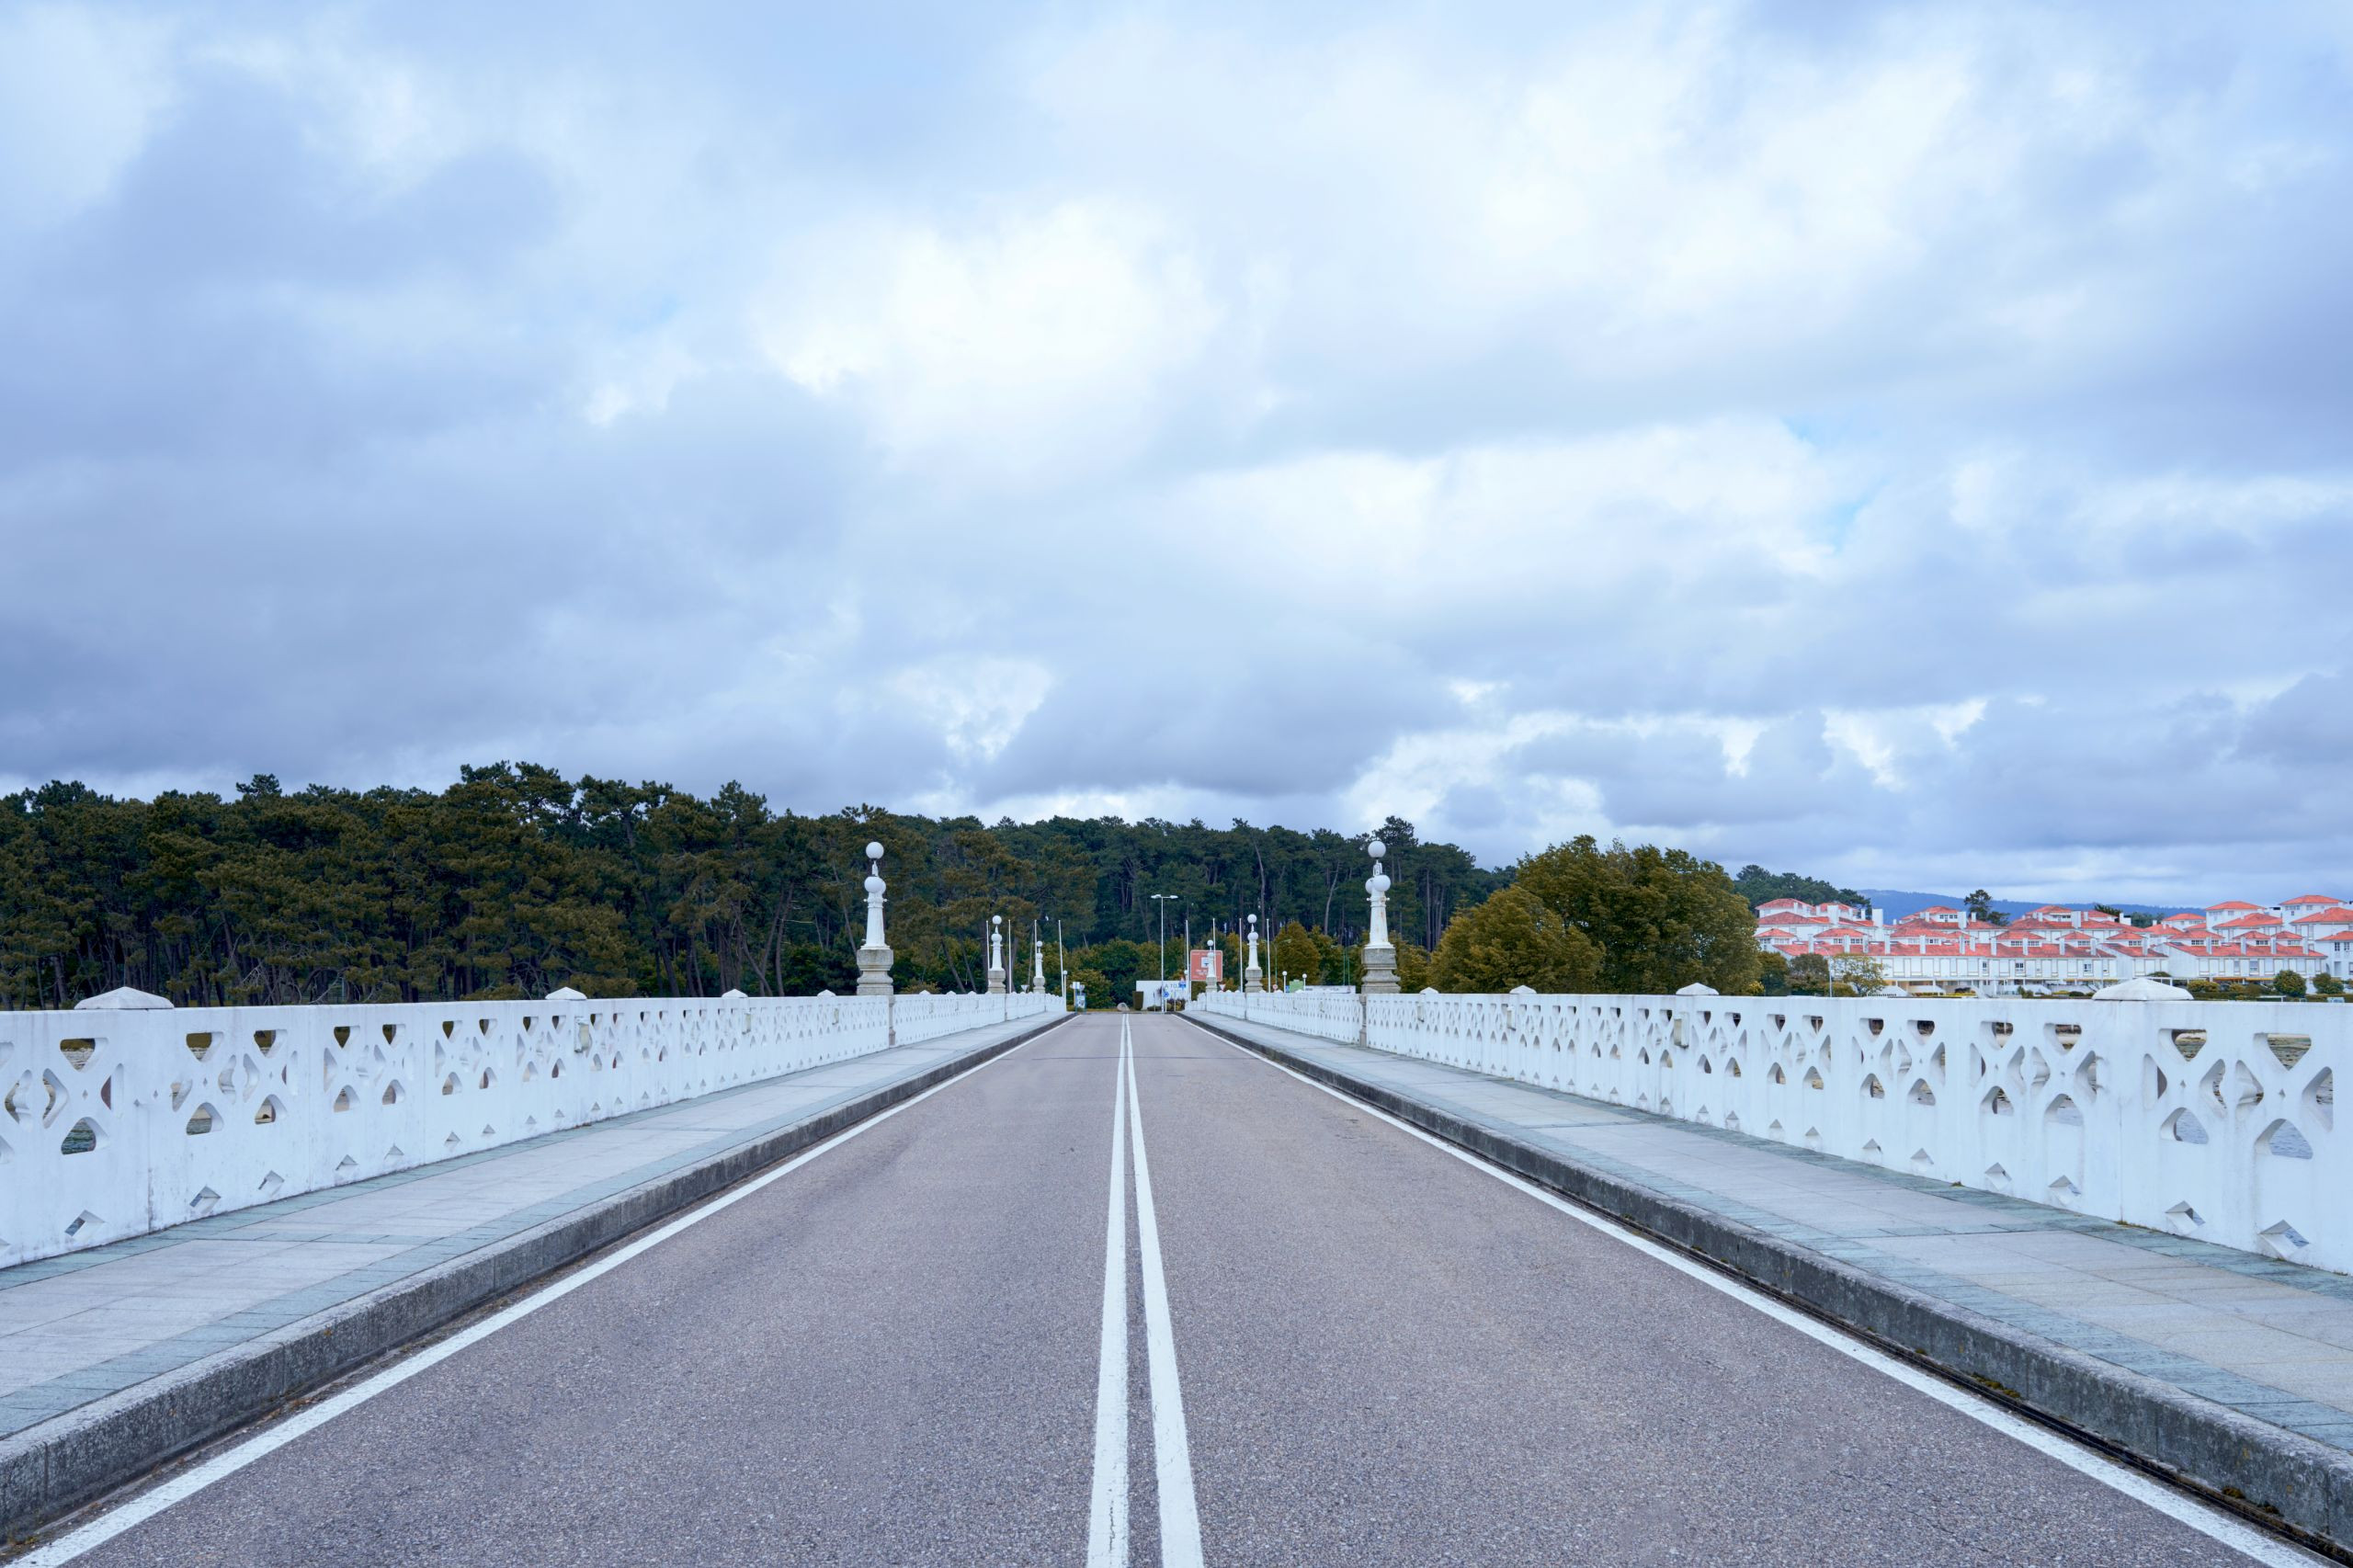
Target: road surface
{"points": [[1320, 1340]]}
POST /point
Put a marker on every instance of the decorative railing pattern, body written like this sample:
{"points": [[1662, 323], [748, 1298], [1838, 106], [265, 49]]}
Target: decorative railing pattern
{"points": [[117, 1123], [2209, 1119], [924, 1016], [1327, 1015]]}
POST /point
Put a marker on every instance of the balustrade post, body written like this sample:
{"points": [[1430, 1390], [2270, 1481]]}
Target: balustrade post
{"points": [[1379, 955], [874, 955]]}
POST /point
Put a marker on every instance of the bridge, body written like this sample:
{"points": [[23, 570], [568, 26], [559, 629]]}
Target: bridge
{"points": [[1361, 1277]]}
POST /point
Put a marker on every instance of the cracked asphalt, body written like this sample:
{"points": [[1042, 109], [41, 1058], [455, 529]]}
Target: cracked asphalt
{"points": [[889, 1355]]}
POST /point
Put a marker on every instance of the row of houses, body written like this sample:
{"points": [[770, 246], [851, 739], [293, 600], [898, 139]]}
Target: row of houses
{"points": [[2056, 949]]}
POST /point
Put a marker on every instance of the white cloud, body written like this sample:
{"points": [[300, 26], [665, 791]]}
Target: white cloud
{"points": [[1668, 193], [1041, 342], [80, 92], [977, 704], [1544, 529]]}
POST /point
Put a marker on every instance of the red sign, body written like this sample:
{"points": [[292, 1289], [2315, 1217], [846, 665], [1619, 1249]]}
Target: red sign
{"points": [[1206, 964]]}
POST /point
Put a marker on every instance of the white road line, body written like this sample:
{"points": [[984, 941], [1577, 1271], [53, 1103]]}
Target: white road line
{"points": [[1180, 1522], [1107, 1523], [2210, 1522], [147, 1504]]}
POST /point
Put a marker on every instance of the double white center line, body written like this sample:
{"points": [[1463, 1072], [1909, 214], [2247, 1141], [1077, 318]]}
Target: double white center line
{"points": [[1108, 1524]]}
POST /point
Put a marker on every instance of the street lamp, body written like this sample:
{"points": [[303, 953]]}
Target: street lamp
{"points": [[1163, 900]]}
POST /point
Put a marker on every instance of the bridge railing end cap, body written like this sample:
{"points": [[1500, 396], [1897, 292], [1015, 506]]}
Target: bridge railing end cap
{"points": [[122, 999]]}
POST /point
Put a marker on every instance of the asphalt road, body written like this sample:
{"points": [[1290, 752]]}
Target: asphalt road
{"points": [[891, 1356]]}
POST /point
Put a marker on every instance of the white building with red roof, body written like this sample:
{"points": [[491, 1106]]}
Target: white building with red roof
{"points": [[2054, 948]]}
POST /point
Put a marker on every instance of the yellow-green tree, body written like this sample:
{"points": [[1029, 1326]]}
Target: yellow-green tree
{"points": [[1304, 955], [1659, 918], [1099, 993], [1514, 940], [1857, 975]]}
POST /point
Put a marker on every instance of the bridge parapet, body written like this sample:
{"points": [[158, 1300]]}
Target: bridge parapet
{"points": [[2215, 1120], [115, 1124], [1326, 1014], [924, 1016]]}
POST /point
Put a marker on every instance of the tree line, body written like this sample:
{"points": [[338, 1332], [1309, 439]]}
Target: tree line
{"points": [[516, 879]]}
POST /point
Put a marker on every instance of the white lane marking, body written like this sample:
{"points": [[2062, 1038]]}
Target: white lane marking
{"points": [[147, 1504], [1180, 1522], [1107, 1523], [2210, 1522]]}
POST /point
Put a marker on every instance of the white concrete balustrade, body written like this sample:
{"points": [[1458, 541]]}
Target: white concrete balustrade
{"points": [[117, 1123], [1326, 1014], [926, 1016], [2209, 1119]]}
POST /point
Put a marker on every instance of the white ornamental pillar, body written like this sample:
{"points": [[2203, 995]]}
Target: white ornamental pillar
{"points": [[874, 953], [1253, 977], [996, 955], [1380, 956], [1038, 967]]}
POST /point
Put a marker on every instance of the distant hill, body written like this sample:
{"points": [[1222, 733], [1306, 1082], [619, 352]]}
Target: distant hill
{"points": [[1898, 903]]}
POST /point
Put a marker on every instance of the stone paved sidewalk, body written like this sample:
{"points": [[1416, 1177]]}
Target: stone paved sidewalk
{"points": [[2270, 1339], [75, 1329]]}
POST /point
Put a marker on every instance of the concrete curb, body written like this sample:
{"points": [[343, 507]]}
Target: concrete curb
{"points": [[2277, 1478], [47, 1469]]}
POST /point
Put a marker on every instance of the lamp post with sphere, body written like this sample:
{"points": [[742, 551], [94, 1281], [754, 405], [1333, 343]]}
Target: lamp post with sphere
{"points": [[1380, 956], [996, 955], [874, 953]]}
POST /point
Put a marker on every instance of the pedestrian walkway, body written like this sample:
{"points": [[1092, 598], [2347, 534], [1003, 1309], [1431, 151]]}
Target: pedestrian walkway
{"points": [[2270, 1340], [76, 1328]]}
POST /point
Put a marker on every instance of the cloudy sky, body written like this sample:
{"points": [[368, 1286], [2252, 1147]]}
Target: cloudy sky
{"points": [[1909, 444]]}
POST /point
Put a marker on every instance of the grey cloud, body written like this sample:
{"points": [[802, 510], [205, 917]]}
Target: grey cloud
{"points": [[298, 470], [234, 191]]}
